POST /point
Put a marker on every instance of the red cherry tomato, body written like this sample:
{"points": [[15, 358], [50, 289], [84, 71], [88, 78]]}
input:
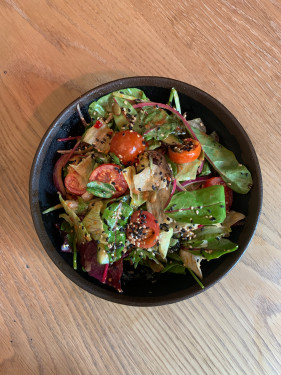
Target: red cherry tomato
{"points": [[127, 145], [227, 191], [98, 124], [74, 184], [143, 229], [111, 174], [184, 153]]}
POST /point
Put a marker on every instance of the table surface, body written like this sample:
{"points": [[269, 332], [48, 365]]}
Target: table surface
{"points": [[54, 51]]}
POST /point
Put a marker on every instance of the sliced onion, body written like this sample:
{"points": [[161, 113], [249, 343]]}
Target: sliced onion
{"points": [[198, 179], [171, 109], [57, 172], [68, 138], [81, 116], [172, 192]]}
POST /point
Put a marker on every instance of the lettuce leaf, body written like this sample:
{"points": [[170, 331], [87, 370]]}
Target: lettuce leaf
{"points": [[92, 221], [136, 199], [103, 106], [187, 171], [82, 235]]}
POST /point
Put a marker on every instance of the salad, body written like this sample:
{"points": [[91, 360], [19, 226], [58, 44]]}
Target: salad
{"points": [[143, 185]]}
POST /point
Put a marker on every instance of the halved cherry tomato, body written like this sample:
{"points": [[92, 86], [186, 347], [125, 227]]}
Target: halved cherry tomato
{"points": [[74, 184], [227, 191], [186, 152], [111, 174], [98, 124], [127, 145], [143, 229]]}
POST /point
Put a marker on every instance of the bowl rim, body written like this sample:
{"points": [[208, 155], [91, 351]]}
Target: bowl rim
{"points": [[100, 291]]}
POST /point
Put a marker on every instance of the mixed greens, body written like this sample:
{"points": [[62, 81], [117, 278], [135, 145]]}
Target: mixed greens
{"points": [[143, 185]]}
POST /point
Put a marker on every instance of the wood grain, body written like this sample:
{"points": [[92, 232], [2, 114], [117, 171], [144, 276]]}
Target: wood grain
{"points": [[53, 51]]}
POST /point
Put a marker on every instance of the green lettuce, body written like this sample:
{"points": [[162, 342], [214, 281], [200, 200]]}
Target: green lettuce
{"points": [[82, 235]]}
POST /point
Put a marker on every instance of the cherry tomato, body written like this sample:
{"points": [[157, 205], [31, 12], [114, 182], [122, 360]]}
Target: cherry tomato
{"points": [[127, 145], [143, 229], [184, 153], [111, 174], [227, 191], [98, 124], [73, 183]]}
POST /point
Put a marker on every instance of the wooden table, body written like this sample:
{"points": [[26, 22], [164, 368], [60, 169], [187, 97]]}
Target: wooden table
{"points": [[53, 51]]}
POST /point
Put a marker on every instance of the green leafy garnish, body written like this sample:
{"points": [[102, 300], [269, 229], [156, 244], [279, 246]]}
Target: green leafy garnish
{"points": [[139, 255], [115, 218], [101, 189], [115, 158]]}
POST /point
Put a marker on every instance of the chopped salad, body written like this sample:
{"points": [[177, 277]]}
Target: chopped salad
{"points": [[144, 185]]}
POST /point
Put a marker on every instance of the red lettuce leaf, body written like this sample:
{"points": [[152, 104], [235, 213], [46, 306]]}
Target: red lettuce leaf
{"points": [[109, 275]]}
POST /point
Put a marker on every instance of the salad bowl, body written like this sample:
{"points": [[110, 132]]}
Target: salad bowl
{"points": [[143, 288]]}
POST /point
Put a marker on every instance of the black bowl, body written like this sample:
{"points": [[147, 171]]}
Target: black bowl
{"points": [[144, 288]]}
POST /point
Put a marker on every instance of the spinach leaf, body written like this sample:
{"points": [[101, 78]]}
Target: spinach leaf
{"points": [[115, 218], [101, 189], [236, 175], [203, 206], [174, 268], [214, 248]]}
